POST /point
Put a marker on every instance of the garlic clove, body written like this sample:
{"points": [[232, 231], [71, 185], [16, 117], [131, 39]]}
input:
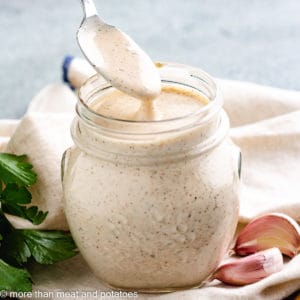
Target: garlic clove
{"points": [[272, 230], [250, 269]]}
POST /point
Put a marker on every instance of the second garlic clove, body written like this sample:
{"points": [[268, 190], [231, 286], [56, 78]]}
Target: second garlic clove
{"points": [[250, 269]]}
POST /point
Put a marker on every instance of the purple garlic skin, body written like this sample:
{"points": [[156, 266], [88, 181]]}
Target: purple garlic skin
{"points": [[272, 230], [250, 269]]}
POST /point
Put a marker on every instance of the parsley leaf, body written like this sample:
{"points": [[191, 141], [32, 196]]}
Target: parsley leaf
{"points": [[11, 198], [14, 249], [16, 194], [14, 169], [14, 279], [48, 247], [17, 246]]}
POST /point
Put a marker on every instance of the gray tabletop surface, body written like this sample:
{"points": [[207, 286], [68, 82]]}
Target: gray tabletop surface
{"points": [[253, 40]]}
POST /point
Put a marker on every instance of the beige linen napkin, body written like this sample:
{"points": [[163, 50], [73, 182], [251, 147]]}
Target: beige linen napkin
{"points": [[43, 134], [266, 125]]}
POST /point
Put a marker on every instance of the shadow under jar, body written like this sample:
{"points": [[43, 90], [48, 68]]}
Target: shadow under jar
{"points": [[152, 206]]}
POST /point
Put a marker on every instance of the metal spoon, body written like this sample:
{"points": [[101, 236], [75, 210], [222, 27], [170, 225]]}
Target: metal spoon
{"points": [[116, 56]]}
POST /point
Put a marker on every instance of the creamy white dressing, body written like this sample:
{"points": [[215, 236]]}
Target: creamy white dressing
{"points": [[151, 226], [143, 218], [147, 213], [119, 59], [173, 102]]}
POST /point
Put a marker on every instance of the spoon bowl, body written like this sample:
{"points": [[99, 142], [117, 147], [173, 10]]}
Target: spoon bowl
{"points": [[116, 56]]}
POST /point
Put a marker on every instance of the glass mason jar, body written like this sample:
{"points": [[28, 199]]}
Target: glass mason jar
{"points": [[152, 205]]}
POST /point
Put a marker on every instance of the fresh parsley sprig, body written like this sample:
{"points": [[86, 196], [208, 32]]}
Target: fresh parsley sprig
{"points": [[16, 176], [18, 246]]}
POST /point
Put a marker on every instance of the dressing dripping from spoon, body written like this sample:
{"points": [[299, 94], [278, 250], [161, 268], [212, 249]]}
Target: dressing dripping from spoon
{"points": [[118, 59]]}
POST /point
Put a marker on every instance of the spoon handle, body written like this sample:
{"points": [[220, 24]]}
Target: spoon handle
{"points": [[89, 8]]}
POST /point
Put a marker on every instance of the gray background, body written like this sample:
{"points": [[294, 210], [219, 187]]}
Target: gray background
{"points": [[253, 40]]}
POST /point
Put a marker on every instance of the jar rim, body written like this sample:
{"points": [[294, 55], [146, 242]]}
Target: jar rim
{"points": [[215, 100]]}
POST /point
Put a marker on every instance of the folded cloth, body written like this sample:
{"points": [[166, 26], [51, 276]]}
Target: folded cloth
{"points": [[265, 125], [43, 135]]}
